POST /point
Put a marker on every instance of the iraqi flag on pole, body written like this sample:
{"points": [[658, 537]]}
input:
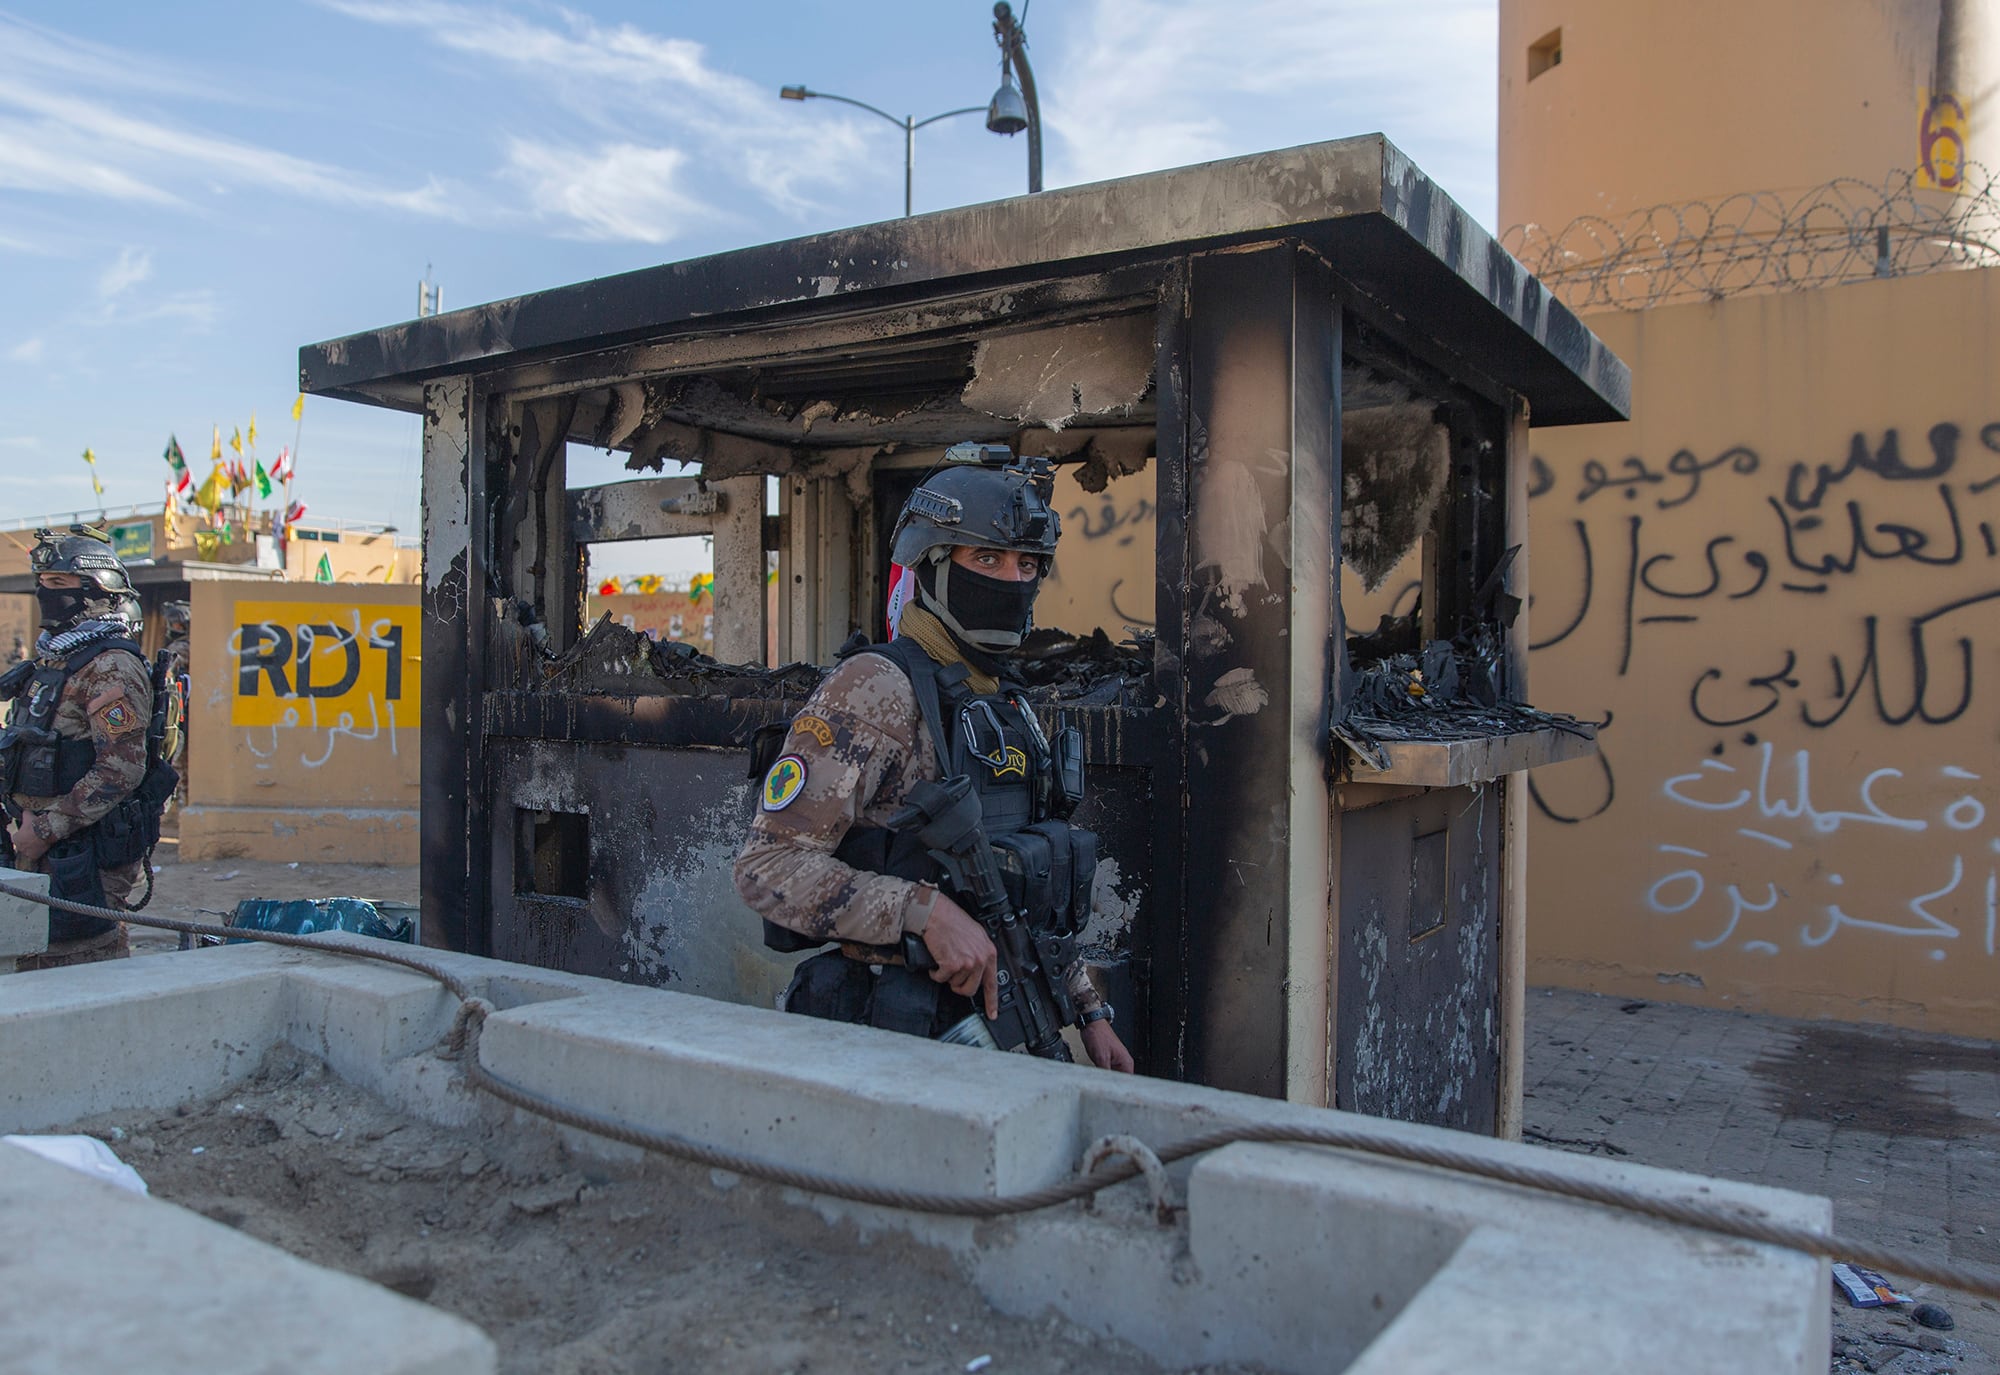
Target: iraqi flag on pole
{"points": [[295, 513], [281, 471]]}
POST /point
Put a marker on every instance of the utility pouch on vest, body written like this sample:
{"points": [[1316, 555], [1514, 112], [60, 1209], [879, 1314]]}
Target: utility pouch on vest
{"points": [[38, 764], [73, 876], [830, 986], [1048, 868], [1067, 759]]}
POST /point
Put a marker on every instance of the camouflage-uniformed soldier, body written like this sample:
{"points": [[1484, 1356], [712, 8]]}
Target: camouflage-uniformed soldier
{"points": [[179, 653], [75, 749], [820, 860]]}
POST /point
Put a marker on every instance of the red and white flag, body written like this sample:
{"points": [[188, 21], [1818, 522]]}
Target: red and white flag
{"points": [[281, 471], [295, 513], [902, 588]]}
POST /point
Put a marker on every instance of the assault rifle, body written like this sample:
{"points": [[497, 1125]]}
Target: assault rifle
{"points": [[1034, 999]]}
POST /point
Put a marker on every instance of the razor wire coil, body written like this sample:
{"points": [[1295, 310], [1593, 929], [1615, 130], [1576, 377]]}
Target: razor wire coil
{"points": [[1844, 230]]}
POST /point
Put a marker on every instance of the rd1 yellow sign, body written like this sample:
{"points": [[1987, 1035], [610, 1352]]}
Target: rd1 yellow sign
{"points": [[310, 663]]}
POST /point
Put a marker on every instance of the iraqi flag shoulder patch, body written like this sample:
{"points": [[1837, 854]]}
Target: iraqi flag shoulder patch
{"points": [[784, 782]]}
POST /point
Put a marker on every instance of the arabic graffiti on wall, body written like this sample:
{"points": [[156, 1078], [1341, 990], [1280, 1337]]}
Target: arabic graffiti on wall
{"points": [[1797, 654], [333, 670]]}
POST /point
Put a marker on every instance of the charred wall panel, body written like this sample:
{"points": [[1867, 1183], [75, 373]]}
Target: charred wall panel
{"points": [[454, 496], [1418, 998], [1262, 349], [662, 828]]}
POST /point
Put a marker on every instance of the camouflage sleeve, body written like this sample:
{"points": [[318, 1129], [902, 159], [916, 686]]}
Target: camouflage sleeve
{"points": [[850, 749], [1082, 991], [117, 693]]}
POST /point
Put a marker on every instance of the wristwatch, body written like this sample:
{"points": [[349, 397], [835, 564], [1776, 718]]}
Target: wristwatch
{"points": [[1103, 1012]]}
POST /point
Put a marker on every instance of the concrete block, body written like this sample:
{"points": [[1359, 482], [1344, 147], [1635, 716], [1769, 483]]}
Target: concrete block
{"points": [[152, 1032], [856, 1102], [1301, 1258], [1424, 1253], [24, 925], [100, 1279]]}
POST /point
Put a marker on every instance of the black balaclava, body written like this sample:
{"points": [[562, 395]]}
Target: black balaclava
{"points": [[987, 616], [61, 607]]}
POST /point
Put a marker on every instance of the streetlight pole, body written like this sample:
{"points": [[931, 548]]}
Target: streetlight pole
{"points": [[1013, 40], [908, 124]]}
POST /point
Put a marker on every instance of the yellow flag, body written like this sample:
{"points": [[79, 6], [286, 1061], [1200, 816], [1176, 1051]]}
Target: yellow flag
{"points": [[252, 436], [236, 441], [215, 448], [90, 457], [299, 407], [213, 490]]}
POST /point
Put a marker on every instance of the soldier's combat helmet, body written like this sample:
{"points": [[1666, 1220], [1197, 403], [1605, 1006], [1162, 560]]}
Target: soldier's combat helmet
{"points": [[106, 593], [984, 497], [178, 619]]}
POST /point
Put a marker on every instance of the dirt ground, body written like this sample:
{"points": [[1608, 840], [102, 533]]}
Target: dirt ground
{"points": [[576, 1268]]}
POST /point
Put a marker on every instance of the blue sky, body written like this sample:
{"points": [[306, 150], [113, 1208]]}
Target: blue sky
{"points": [[189, 192]]}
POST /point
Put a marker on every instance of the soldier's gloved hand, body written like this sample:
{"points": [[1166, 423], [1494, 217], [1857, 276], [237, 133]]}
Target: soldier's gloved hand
{"points": [[966, 959], [28, 846]]}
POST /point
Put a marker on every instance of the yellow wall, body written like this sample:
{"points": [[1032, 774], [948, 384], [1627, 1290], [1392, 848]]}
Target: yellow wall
{"points": [[1104, 561], [326, 769], [1782, 582], [1666, 101]]}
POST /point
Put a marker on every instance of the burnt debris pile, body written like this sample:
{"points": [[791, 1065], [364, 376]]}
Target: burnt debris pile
{"points": [[1445, 690], [1057, 668], [1061, 669]]}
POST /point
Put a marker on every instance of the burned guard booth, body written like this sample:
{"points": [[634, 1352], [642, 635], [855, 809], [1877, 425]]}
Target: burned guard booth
{"points": [[1297, 372]]}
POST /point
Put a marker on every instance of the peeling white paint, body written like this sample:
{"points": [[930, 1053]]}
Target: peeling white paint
{"points": [[1229, 532], [1053, 376], [1112, 910], [1238, 693], [447, 511]]}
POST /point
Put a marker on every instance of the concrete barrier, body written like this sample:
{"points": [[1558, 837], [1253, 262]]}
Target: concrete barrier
{"points": [[121, 1282], [24, 925], [1303, 1259]]}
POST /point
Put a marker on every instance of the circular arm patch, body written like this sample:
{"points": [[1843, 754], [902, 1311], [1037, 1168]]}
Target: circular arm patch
{"points": [[784, 782]]}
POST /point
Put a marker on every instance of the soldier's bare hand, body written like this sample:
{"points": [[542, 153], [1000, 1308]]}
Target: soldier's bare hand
{"points": [[28, 847], [1104, 1048], [966, 959]]}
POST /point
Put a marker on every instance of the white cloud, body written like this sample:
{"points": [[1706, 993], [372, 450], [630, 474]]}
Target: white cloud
{"points": [[619, 192], [134, 266], [1143, 84], [27, 351], [61, 141], [633, 88]]}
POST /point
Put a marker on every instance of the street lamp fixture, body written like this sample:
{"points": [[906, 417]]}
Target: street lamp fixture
{"points": [[907, 124], [1012, 111], [1008, 114]]}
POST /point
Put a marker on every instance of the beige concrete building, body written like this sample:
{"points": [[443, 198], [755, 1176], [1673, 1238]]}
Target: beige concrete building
{"points": [[1781, 581]]}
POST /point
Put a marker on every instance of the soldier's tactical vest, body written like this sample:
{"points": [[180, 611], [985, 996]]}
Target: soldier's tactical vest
{"points": [[34, 760], [1028, 786]]}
